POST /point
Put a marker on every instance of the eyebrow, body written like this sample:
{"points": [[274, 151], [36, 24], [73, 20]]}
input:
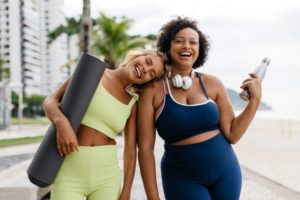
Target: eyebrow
{"points": [[181, 37]]}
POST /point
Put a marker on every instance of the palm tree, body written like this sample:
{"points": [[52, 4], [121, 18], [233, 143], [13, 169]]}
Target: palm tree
{"points": [[111, 40], [85, 26], [71, 28]]}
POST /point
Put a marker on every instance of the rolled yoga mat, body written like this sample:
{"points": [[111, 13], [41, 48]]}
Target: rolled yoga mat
{"points": [[82, 86]]}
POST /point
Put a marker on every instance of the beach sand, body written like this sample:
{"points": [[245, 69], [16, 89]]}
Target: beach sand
{"points": [[271, 147]]}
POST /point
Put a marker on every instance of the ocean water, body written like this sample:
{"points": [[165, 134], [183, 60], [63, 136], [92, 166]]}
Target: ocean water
{"points": [[281, 93]]}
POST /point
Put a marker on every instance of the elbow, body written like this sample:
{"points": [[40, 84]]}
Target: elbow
{"points": [[45, 104], [48, 102], [233, 140]]}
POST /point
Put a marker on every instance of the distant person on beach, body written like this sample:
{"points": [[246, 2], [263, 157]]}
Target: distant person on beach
{"points": [[91, 170], [192, 113]]}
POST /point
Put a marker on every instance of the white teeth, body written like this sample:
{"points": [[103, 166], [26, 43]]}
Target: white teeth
{"points": [[185, 54], [138, 72]]}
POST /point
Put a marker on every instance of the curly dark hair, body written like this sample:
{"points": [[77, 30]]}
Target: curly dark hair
{"points": [[168, 32]]}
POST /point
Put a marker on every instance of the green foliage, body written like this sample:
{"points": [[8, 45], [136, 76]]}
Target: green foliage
{"points": [[15, 99], [4, 71], [31, 121], [110, 39], [17, 141], [151, 37], [71, 27], [33, 105]]}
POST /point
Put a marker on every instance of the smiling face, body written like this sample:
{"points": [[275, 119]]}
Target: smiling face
{"points": [[145, 68], [184, 48]]}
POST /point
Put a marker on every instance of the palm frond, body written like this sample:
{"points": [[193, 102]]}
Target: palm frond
{"points": [[111, 40]]}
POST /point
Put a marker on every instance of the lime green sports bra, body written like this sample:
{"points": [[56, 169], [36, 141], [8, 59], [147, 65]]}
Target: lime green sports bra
{"points": [[107, 114]]}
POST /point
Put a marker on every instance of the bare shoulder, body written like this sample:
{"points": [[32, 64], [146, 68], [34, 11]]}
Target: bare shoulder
{"points": [[210, 79], [212, 84], [154, 92], [153, 88]]}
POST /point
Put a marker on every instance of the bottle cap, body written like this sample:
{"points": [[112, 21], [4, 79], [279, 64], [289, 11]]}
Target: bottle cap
{"points": [[267, 61]]}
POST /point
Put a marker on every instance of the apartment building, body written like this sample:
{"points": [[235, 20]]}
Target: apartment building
{"points": [[24, 25]]}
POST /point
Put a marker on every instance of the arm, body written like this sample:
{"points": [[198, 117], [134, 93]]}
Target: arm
{"points": [[146, 142], [233, 126], [129, 154], [65, 136]]}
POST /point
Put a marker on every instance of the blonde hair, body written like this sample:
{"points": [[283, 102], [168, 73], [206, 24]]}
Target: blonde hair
{"points": [[136, 88], [131, 55]]}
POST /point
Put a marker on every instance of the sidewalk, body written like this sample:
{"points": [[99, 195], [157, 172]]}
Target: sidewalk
{"points": [[255, 186], [16, 131]]}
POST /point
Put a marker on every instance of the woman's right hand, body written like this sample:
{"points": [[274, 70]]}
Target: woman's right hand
{"points": [[65, 137]]}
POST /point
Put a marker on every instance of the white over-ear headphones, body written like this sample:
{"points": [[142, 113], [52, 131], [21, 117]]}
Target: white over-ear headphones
{"points": [[182, 82]]}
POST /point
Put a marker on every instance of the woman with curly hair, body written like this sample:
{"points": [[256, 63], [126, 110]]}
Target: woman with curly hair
{"points": [[192, 113]]}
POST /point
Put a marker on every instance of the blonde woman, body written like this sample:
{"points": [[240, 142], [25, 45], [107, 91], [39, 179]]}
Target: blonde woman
{"points": [[90, 169]]}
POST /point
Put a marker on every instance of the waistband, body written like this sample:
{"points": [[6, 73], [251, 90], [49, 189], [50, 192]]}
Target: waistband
{"points": [[219, 138], [202, 152]]}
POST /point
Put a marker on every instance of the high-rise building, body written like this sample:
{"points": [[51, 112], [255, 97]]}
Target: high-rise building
{"points": [[10, 37], [55, 54], [24, 25]]}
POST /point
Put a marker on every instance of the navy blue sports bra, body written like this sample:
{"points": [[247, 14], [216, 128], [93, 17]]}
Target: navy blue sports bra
{"points": [[178, 121]]}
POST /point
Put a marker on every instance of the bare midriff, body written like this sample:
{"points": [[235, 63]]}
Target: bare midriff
{"points": [[87, 136], [201, 137]]}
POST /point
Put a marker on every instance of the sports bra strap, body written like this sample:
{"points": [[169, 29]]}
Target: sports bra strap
{"points": [[166, 90], [202, 85], [168, 86], [134, 98]]}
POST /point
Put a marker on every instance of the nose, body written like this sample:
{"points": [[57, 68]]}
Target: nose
{"points": [[186, 44], [146, 68]]}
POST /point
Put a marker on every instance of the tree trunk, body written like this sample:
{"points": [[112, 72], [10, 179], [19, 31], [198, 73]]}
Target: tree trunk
{"points": [[68, 54], [85, 26]]}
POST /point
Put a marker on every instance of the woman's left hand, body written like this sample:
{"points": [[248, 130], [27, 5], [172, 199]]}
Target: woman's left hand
{"points": [[253, 84]]}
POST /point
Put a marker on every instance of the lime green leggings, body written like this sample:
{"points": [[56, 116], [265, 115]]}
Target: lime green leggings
{"points": [[92, 173]]}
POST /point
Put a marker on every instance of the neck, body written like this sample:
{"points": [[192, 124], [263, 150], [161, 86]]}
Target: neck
{"points": [[119, 77], [182, 72]]}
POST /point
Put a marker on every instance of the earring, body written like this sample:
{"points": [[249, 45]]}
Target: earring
{"points": [[182, 82]]}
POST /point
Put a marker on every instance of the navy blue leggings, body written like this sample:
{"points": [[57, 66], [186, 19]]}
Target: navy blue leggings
{"points": [[204, 171]]}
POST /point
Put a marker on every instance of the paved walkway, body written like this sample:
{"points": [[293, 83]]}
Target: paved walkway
{"points": [[255, 186]]}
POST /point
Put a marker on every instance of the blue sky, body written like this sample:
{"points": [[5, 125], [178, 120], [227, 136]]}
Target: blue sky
{"points": [[241, 32]]}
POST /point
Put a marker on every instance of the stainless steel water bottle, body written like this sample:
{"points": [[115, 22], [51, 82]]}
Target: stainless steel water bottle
{"points": [[260, 71]]}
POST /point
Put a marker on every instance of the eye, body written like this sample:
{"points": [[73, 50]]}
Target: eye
{"points": [[194, 42], [153, 74], [178, 40], [148, 61]]}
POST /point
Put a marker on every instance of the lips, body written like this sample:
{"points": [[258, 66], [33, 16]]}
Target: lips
{"points": [[185, 54], [137, 71]]}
